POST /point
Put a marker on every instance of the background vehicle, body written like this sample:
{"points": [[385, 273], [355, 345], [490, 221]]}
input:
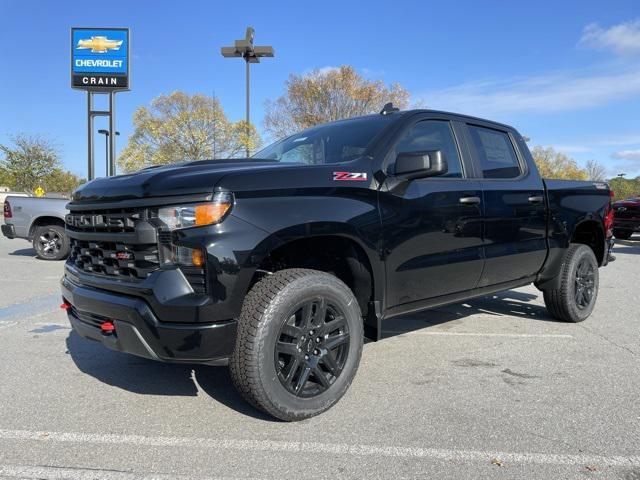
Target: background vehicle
{"points": [[4, 195], [283, 262], [39, 220], [627, 218]]}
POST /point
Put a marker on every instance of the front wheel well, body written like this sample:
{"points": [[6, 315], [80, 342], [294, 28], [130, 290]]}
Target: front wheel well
{"points": [[590, 233], [43, 222], [339, 256]]}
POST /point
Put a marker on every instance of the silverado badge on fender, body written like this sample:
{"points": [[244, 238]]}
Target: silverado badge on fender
{"points": [[350, 176]]}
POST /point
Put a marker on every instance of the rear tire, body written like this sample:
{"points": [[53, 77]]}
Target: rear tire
{"points": [[51, 242], [622, 234], [576, 296], [298, 345]]}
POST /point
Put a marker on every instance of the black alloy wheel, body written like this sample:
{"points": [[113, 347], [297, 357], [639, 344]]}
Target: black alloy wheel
{"points": [[584, 283], [312, 348]]}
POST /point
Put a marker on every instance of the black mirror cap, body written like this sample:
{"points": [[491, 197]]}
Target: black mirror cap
{"points": [[411, 165]]}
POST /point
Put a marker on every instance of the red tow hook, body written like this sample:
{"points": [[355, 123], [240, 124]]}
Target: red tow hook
{"points": [[65, 306], [107, 328]]}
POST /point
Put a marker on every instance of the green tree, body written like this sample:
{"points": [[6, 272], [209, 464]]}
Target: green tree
{"points": [[29, 161], [553, 164], [625, 187], [5, 181], [180, 127], [326, 95], [61, 181]]}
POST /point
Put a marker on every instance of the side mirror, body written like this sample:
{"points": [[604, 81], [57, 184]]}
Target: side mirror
{"points": [[412, 165]]}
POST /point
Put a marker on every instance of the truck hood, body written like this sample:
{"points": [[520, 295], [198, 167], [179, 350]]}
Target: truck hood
{"points": [[181, 179]]}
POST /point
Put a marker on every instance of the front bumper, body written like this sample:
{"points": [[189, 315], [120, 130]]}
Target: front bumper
{"points": [[8, 230], [139, 332]]}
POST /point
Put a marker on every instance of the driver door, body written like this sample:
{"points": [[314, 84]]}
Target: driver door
{"points": [[432, 227]]}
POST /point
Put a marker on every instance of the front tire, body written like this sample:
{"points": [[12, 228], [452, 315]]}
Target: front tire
{"points": [[575, 298], [51, 242], [298, 345]]}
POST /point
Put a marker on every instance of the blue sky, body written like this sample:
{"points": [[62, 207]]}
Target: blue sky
{"points": [[566, 74]]}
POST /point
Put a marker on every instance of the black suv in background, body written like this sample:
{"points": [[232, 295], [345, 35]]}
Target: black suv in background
{"points": [[282, 263]]}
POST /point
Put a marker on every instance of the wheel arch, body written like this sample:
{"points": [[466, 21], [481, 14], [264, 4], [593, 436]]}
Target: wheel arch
{"points": [[44, 221], [326, 248], [590, 232]]}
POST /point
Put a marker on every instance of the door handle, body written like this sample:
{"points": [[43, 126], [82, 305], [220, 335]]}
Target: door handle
{"points": [[469, 200], [536, 199]]}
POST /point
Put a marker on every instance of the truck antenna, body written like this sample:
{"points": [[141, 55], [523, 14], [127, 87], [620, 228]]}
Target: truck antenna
{"points": [[388, 108]]}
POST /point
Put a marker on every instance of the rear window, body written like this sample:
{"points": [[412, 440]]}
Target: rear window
{"points": [[497, 157]]}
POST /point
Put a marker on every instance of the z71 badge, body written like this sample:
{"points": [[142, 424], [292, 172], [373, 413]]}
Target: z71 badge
{"points": [[350, 176]]}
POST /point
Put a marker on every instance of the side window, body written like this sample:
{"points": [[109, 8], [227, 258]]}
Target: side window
{"points": [[497, 156], [433, 135], [302, 153]]}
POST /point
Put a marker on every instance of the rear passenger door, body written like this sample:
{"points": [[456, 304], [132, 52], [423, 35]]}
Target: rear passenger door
{"points": [[514, 206]]}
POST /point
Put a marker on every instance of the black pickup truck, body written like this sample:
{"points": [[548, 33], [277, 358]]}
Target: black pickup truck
{"points": [[282, 263]]}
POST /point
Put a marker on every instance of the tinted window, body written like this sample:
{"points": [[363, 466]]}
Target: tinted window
{"points": [[432, 135], [497, 156], [330, 143]]}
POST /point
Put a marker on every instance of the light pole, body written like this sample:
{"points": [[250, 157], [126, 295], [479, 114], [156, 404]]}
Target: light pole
{"points": [[251, 54], [106, 149]]}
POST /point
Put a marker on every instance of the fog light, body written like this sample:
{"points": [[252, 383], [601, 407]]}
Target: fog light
{"points": [[197, 257]]}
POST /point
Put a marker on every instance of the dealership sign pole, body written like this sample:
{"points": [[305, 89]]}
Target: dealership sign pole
{"points": [[100, 64]]}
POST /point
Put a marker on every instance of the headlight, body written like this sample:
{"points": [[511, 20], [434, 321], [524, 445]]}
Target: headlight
{"points": [[196, 214]]}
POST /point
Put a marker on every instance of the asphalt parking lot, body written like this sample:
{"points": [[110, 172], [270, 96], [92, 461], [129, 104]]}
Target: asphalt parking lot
{"points": [[493, 388]]}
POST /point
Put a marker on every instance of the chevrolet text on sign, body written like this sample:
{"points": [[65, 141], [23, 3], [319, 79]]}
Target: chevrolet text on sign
{"points": [[100, 59]]}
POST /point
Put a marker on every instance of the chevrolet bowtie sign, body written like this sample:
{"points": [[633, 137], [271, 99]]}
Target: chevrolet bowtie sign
{"points": [[100, 59]]}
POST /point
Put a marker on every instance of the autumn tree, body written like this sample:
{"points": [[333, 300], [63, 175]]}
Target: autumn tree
{"points": [[181, 127], [326, 95], [29, 161], [553, 164]]}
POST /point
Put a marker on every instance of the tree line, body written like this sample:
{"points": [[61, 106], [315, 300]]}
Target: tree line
{"points": [[33, 161], [179, 127]]}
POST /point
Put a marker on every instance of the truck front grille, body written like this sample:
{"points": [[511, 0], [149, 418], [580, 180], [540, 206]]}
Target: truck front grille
{"points": [[124, 244], [134, 262]]}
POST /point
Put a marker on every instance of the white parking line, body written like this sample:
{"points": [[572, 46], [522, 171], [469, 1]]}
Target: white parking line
{"points": [[327, 448], [482, 334]]}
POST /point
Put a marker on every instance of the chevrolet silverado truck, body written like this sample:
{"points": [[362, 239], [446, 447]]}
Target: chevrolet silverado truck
{"points": [[626, 218], [40, 221], [281, 264]]}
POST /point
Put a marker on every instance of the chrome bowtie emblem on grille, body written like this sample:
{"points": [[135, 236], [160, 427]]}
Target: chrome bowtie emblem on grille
{"points": [[622, 209]]}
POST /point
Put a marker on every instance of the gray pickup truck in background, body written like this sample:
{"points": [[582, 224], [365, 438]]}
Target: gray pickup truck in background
{"points": [[38, 220]]}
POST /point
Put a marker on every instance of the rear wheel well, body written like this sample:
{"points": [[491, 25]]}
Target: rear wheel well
{"points": [[590, 233], [43, 222], [339, 256]]}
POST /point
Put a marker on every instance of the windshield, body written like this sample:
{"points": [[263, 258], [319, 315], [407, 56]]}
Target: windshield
{"points": [[331, 143]]}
